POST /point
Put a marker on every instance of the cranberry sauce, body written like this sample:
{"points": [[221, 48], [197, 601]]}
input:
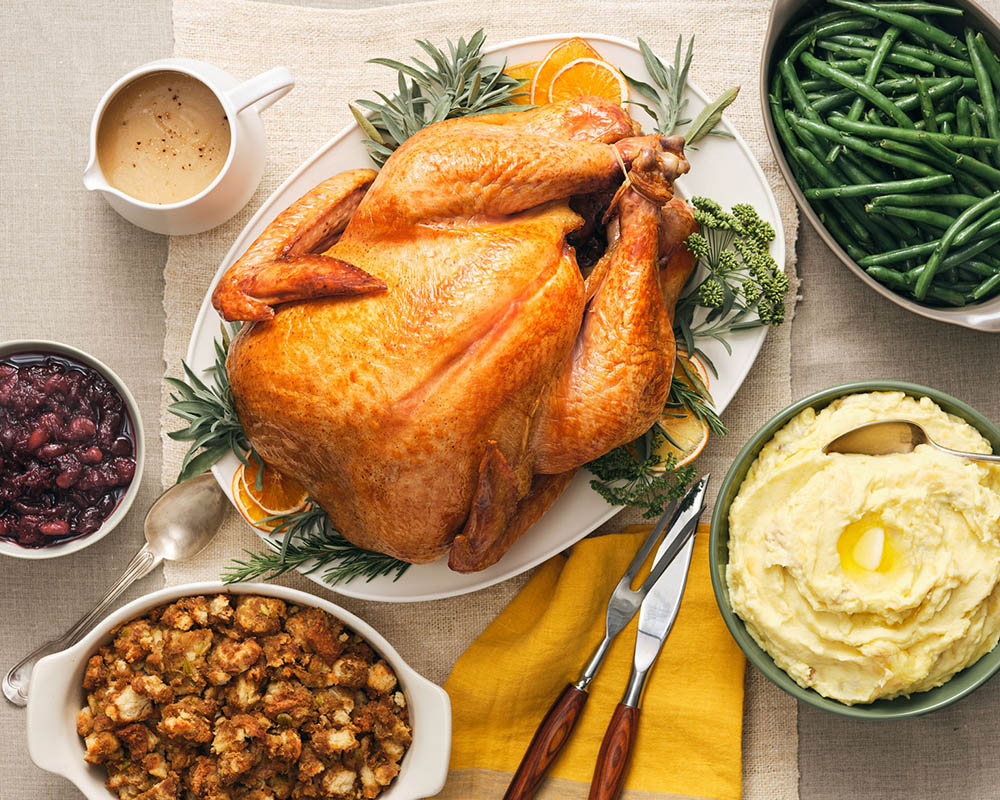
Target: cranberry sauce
{"points": [[67, 449]]}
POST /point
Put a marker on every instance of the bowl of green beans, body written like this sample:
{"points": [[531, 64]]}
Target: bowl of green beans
{"points": [[884, 119]]}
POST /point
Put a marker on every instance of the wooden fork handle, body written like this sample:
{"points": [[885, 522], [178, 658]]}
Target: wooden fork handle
{"points": [[550, 737], [612, 761]]}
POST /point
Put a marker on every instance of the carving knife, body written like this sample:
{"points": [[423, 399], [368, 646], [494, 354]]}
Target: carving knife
{"points": [[656, 617], [554, 730]]}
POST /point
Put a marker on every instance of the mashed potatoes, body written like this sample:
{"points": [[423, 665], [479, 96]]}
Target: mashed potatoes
{"points": [[868, 576]]}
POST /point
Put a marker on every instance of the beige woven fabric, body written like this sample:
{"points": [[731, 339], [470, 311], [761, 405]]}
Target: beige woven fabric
{"points": [[326, 51]]}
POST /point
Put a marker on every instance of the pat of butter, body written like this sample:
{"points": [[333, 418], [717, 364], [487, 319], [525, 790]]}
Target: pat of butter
{"points": [[866, 546], [868, 550]]}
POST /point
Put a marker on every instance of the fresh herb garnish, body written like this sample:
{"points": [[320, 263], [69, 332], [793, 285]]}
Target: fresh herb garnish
{"points": [[688, 393], [634, 475], [309, 540], [456, 84], [735, 277], [213, 428], [666, 101]]}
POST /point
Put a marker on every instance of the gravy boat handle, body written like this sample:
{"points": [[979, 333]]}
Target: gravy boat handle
{"points": [[263, 90]]}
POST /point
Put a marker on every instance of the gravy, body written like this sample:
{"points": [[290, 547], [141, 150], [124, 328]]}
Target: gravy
{"points": [[163, 138]]}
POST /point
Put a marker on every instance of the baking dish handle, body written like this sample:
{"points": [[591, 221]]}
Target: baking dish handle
{"points": [[428, 757], [52, 741]]}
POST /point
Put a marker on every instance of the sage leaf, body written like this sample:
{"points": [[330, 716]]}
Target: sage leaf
{"points": [[710, 116], [369, 130]]}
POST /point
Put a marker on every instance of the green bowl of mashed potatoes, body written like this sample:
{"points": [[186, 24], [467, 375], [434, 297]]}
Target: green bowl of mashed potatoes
{"points": [[868, 586]]}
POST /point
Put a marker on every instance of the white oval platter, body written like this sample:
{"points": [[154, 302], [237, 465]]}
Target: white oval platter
{"points": [[721, 168]]}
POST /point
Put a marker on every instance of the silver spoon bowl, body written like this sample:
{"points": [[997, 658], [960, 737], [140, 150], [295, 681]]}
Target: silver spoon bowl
{"points": [[179, 525], [894, 436]]}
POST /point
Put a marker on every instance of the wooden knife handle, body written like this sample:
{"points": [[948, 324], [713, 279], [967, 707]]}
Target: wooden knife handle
{"points": [[550, 737], [612, 761]]}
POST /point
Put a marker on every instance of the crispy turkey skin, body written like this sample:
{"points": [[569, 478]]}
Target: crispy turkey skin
{"points": [[422, 351]]}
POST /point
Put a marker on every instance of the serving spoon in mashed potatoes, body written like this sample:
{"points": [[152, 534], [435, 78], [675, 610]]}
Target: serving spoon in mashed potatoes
{"points": [[885, 437]]}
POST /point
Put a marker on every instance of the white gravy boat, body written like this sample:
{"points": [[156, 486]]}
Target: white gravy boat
{"points": [[239, 176]]}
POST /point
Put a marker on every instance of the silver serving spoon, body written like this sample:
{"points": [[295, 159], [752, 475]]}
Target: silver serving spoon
{"points": [[893, 436], [179, 524]]}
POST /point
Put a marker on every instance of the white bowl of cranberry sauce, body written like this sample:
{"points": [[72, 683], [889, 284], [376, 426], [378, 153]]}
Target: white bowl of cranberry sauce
{"points": [[71, 449]]}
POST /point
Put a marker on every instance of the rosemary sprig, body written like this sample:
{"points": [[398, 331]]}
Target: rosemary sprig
{"points": [[213, 429], [666, 101], [308, 541], [688, 393], [456, 84]]}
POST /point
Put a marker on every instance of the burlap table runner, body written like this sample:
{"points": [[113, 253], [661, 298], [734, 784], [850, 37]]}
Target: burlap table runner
{"points": [[326, 51]]}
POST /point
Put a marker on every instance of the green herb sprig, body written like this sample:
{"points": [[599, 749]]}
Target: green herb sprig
{"points": [[634, 475], [666, 101], [456, 84], [307, 539], [213, 429], [735, 277]]}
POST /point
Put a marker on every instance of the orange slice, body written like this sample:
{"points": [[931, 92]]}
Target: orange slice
{"points": [[589, 77], [524, 71], [694, 364], [686, 434], [278, 494], [557, 58]]}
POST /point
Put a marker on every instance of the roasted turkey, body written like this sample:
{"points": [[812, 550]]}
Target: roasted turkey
{"points": [[422, 351]]}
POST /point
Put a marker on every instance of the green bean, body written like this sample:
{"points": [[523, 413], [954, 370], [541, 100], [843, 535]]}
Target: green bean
{"points": [[986, 287], [947, 296], [965, 181], [833, 224], [942, 119], [903, 59], [935, 57], [926, 107], [874, 171], [908, 135], [898, 255], [854, 216], [989, 60], [861, 146], [985, 84], [965, 162], [812, 24], [821, 172], [915, 251], [882, 48], [936, 92], [946, 128], [907, 103], [963, 116], [869, 93], [934, 262], [818, 85], [923, 215], [979, 268], [968, 251], [977, 120], [924, 199], [891, 278], [923, 29], [921, 8], [870, 189], [835, 100], [852, 66]]}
